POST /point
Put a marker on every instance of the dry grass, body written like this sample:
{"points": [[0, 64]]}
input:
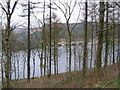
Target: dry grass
{"points": [[69, 80]]}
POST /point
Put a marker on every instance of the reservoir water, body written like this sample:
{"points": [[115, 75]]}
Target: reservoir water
{"points": [[19, 61]]}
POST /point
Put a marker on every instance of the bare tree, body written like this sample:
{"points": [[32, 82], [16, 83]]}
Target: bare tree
{"points": [[56, 27], [29, 51], [9, 12], [44, 39], [33, 52], [93, 16], [67, 11], [50, 34], [118, 35], [100, 39], [85, 41], [92, 42], [106, 36], [113, 32]]}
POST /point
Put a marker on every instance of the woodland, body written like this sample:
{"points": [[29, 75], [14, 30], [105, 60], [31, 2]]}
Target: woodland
{"points": [[42, 51]]}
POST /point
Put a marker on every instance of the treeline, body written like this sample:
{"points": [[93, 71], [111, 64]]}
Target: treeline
{"points": [[18, 40]]}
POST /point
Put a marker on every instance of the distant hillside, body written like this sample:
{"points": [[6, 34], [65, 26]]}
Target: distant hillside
{"points": [[19, 35], [78, 29], [36, 32]]}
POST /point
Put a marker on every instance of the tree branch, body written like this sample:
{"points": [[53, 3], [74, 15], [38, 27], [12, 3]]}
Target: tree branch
{"points": [[117, 4], [61, 10], [4, 9], [14, 7]]}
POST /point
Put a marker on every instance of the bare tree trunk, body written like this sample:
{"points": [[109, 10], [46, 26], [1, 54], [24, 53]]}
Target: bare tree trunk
{"points": [[44, 39], [18, 67], [57, 65], [54, 52], [33, 53], [92, 44], [2, 60], [118, 54], [45, 56], [10, 63], [39, 55], [75, 65], [33, 67], [14, 67], [106, 37], [111, 55], [100, 40], [70, 40], [67, 14], [80, 56], [50, 57], [43, 42], [85, 41], [28, 56], [7, 48], [2, 64], [47, 62], [70, 53], [113, 39], [8, 58], [24, 66], [41, 61], [66, 57]]}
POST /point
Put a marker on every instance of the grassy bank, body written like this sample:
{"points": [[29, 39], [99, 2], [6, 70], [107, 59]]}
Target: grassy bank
{"points": [[74, 80], [112, 83]]}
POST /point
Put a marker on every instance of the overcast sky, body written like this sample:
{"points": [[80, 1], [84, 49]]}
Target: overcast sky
{"points": [[38, 11], [19, 11]]}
